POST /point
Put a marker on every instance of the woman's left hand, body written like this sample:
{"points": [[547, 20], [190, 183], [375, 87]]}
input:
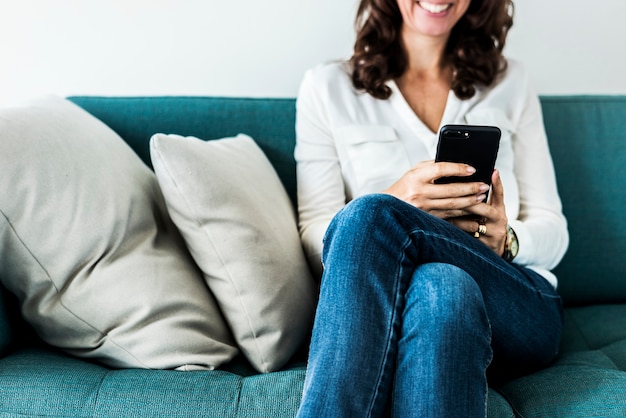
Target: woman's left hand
{"points": [[492, 215]]}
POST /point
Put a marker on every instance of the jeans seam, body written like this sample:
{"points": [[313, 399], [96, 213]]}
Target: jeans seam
{"points": [[393, 324]]}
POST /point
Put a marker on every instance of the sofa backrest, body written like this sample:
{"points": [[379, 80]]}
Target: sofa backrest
{"points": [[587, 139], [269, 121], [587, 136]]}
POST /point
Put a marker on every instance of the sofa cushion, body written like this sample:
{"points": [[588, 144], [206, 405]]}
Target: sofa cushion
{"points": [[240, 227], [588, 378], [37, 382], [88, 248]]}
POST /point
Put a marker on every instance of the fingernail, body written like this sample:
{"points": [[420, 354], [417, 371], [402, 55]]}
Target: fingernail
{"points": [[484, 187], [471, 169], [480, 197]]}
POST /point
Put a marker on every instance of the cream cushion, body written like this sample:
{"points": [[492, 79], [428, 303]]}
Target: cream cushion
{"points": [[240, 228], [87, 246]]}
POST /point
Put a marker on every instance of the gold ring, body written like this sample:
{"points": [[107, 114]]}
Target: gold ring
{"points": [[482, 229], [476, 234]]}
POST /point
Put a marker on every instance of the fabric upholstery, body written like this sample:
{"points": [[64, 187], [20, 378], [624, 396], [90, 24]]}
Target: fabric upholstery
{"points": [[587, 139], [269, 121], [240, 227], [589, 376], [44, 382], [88, 248]]}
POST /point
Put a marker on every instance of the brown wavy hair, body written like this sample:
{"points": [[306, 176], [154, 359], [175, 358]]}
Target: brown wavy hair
{"points": [[473, 51]]}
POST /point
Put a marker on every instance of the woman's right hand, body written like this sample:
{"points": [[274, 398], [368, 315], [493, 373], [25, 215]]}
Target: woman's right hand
{"points": [[417, 187]]}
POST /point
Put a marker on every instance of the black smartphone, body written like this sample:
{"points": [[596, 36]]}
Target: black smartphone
{"points": [[470, 144]]}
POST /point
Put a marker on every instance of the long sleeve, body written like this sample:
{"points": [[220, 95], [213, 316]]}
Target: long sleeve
{"points": [[540, 226], [320, 186]]}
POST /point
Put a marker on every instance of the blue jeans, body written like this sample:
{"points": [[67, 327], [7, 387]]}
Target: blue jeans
{"points": [[412, 313]]}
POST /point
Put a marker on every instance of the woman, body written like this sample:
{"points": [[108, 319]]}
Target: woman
{"points": [[426, 289]]}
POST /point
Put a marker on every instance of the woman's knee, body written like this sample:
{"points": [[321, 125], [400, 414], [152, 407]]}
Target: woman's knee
{"points": [[368, 209], [362, 220], [447, 293]]}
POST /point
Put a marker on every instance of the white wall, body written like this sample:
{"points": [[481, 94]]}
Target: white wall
{"points": [[572, 46], [261, 48]]}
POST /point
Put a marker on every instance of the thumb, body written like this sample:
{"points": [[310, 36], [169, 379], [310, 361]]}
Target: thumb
{"points": [[497, 190]]}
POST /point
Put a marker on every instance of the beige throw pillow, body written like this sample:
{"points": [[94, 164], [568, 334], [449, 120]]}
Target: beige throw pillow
{"points": [[240, 227], [88, 247]]}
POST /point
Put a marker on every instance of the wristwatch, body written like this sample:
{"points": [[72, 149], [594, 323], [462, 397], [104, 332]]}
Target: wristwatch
{"points": [[511, 246]]}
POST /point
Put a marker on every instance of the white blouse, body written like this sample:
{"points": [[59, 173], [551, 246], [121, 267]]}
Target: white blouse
{"points": [[349, 144]]}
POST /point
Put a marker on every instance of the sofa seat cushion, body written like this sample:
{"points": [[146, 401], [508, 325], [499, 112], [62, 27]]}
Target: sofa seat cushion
{"points": [[589, 376], [64, 384]]}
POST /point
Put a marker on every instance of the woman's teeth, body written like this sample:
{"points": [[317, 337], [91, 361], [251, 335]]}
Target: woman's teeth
{"points": [[434, 7]]}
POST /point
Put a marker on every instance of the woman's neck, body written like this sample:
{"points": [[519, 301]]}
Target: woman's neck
{"points": [[426, 82], [425, 55]]}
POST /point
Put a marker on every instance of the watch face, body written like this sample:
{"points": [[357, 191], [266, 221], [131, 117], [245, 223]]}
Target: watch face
{"points": [[512, 245]]}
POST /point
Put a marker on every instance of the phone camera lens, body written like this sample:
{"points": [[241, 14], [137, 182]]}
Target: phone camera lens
{"points": [[454, 134]]}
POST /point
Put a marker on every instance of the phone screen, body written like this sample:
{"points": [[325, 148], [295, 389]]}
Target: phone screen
{"points": [[470, 144]]}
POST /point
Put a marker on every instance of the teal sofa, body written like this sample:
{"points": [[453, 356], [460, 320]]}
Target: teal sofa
{"points": [[588, 141]]}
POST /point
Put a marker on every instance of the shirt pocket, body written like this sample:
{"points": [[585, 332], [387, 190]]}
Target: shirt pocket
{"points": [[374, 157]]}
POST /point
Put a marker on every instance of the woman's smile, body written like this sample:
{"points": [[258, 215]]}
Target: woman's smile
{"points": [[432, 18], [435, 8]]}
